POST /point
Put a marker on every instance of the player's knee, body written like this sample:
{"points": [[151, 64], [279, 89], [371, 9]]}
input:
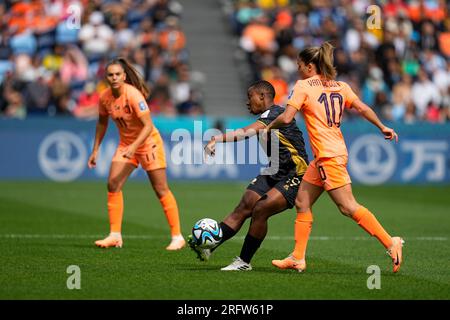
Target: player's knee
{"points": [[161, 189], [259, 212], [244, 209], [347, 209]]}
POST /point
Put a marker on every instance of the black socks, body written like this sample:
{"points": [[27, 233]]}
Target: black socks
{"points": [[227, 233]]}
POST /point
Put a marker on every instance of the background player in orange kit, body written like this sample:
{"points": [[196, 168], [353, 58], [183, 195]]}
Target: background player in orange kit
{"points": [[140, 143], [321, 100]]}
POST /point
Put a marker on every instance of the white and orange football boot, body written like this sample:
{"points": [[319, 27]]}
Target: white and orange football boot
{"points": [[395, 252], [110, 241], [290, 263], [177, 243]]}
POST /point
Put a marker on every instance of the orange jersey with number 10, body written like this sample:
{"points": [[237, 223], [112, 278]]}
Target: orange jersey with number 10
{"points": [[322, 104], [126, 111]]}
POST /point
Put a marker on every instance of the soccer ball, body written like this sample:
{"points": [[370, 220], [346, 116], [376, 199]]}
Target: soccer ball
{"points": [[206, 233]]}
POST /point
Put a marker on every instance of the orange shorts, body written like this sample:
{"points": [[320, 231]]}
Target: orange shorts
{"points": [[150, 158], [329, 173]]}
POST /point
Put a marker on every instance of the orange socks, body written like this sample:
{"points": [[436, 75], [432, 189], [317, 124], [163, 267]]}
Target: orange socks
{"points": [[303, 225], [370, 224], [115, 210], [170, 208], [362, 216]]}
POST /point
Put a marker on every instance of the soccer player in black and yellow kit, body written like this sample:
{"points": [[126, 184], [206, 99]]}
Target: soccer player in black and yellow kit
{"points": [[269, 193]]}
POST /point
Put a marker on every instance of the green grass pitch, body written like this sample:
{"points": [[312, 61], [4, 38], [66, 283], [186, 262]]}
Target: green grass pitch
{"points": [[46, 227]]}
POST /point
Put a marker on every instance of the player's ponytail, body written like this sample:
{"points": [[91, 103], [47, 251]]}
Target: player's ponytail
{"points": [[133, 76], [322, 58]]}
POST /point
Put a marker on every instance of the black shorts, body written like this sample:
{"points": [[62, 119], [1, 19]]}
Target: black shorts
{"points": [[288, 186]]}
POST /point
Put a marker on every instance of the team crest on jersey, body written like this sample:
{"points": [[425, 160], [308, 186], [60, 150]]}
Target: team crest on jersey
{"points": [[142, 106]]}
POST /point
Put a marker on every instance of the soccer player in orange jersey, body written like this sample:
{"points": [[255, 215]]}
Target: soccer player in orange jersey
{"points": [[140, 143], [321, 100]]}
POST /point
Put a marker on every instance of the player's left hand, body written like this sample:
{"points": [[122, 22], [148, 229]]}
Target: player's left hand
{"points": [[389, 134]]}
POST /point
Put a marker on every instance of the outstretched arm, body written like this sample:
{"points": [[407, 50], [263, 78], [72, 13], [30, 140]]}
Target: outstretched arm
{"points": [[365, 111], [283, 119], [232, 136]]}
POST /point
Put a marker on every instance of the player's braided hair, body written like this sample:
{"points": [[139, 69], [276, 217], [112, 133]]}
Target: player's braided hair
{"points": [[133, 76], [321, 57], [264, 86]]}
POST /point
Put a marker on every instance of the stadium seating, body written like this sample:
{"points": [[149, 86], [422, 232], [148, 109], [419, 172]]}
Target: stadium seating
{"points": [[43, 31]]}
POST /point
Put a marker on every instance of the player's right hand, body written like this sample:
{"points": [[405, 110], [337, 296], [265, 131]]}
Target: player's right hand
{"points": [[92, 161], [210, 148]]}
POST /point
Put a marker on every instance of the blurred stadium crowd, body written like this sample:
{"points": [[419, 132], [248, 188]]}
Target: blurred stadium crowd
{"points": [[401, 69], [53, 54]]}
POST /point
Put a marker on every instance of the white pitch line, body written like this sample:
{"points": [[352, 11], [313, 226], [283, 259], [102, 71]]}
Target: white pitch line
{"points": [[150, 237]]}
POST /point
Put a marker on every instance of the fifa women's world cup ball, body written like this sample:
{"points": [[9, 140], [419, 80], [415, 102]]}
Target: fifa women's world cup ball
{"points": [[206, 233]]}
